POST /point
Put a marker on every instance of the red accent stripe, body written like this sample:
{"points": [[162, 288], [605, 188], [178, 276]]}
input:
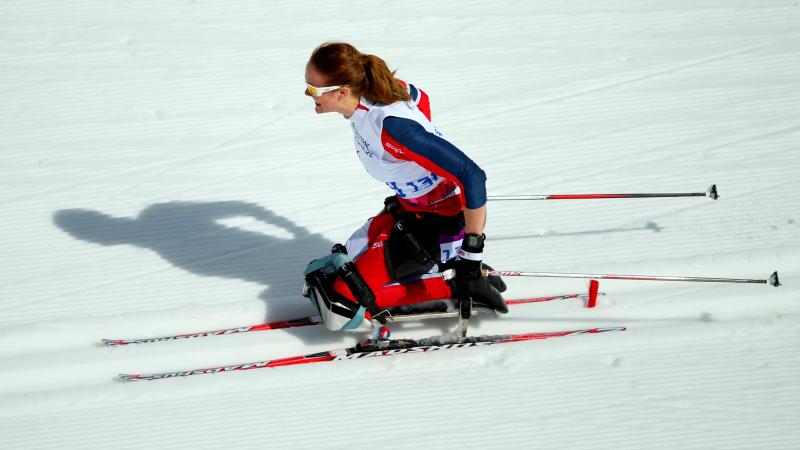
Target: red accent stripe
{"points": [[522, 301], [440, 200], [295, 360], [579, 196], [360, 106], [424, 104], [533, 336], [285, 324]]}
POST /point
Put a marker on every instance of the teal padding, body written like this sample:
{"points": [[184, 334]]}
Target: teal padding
{"points": [[334, 259], [356, 320]]}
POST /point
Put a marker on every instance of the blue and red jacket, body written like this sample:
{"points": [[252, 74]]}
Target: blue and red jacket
{"points": [[399, 145]]}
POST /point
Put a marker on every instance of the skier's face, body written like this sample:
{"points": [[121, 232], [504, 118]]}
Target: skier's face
{"points": [[326, 102]]}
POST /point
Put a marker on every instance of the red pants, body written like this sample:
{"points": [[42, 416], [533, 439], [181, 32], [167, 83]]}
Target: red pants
{"points": [[372, 266]]}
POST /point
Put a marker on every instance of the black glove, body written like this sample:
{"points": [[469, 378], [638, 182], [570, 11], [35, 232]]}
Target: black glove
{"points": [[469, 279], [495, 280], [392, 205]]}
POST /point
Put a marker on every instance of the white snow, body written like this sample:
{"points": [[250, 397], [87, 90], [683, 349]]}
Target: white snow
{"points": [[163, 173]]}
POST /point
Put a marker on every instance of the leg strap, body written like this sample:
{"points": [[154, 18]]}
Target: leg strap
{"points": [[361, 291]]}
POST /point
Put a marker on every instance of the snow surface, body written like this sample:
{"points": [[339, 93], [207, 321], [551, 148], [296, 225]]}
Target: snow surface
{"points": [[163, 173]]}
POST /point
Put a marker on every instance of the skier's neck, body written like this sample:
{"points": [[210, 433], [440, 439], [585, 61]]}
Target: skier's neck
{"points": [[349, 106]]}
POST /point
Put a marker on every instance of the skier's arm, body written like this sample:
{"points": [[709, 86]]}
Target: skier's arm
{"points": [[442, 158], [475, 220], [412, 142]]}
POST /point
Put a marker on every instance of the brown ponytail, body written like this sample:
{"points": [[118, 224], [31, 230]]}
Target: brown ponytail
{"points": [[367, 75]]}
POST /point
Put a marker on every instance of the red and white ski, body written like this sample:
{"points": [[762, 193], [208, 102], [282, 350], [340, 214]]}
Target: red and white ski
{"points": [[300, 322], [371, 349]]}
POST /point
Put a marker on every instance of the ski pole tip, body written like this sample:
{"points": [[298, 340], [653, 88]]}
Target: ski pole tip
{"points": [[773, 279], [712, 192]]}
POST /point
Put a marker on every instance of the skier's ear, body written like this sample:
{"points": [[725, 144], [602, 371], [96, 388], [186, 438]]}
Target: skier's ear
{"points": [[344, 92]]}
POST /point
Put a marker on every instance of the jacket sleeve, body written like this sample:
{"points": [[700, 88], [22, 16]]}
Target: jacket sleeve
{"points": [[408, 140]]}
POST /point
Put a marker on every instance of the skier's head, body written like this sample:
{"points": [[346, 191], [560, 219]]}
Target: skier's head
{"points": [[352, 75]]}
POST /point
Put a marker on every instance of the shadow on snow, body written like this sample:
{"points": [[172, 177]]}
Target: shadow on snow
{"points": [[194, 237]]}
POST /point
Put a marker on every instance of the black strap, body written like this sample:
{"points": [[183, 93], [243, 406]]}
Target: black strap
{"points": [[361, 291]]}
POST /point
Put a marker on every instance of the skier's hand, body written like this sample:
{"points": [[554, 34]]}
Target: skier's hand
{"points": [[468, 262], [391, 205], [469, 278]]}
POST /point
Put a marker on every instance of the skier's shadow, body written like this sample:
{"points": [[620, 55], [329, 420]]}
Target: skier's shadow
{"points": [[221, 239]]}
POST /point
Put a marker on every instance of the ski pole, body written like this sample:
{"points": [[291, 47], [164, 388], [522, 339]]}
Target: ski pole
{"points": [[772, 280], [711, 193], [450, 273]]}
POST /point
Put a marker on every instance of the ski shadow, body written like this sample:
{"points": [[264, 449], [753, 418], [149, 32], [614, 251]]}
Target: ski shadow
{"points": [[216, 239]]}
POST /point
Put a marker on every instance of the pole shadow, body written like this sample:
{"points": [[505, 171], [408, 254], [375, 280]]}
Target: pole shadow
{"points": [[194, 237], [649, 226]]}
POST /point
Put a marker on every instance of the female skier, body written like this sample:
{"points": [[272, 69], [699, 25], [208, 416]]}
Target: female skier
{"points": [[435, 219]]}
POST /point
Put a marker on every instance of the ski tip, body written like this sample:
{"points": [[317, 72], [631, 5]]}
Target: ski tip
{"points": [[773, 279], [712, 192], [126, 377]]}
